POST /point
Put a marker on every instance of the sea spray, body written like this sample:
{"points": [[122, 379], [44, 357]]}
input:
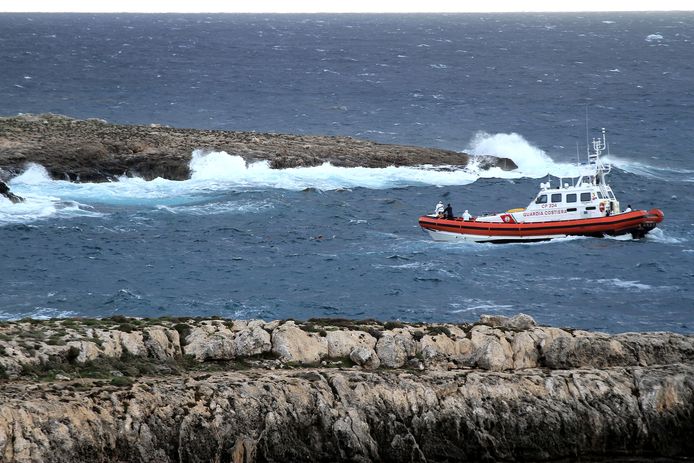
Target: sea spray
{"points": [[215, 173], [531, 160]]}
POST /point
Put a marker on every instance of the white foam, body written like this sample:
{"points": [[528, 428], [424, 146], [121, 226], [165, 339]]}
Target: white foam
{"points": [[482, 307], [227, 171], [659, 236], [39, 313], [25, 211], [654, 37], [215, 173], [625, 237], [625, 284], [224, 207], [531, 160], [646, 170], [125, 191], [34, 174]]}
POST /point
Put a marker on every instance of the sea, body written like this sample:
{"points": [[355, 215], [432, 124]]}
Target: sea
{"points": [[242, 240]]}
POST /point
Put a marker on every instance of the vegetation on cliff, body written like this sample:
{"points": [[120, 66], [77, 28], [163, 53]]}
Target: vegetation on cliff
{"points": [[339, 390]]}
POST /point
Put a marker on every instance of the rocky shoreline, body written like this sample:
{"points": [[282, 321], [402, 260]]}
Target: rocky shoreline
{"points": [[124, 389], [5, 191], [94, 150]]}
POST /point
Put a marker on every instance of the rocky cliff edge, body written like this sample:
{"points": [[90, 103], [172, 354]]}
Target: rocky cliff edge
{"points": [[123, 389]]}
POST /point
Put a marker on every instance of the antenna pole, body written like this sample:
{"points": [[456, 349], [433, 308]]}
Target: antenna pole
{"points": [[587, 142]]}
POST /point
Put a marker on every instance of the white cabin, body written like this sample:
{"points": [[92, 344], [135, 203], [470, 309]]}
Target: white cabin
{"points": [[583, 197]]}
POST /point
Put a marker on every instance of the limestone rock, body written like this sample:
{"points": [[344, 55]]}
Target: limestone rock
{"points": [[439, 345], [254, 340], [365, 357], [87, 350], [525, 350], [238, 325], [577, 352], [518, 322], [596, 396], [162, 343], [244, 450], [292, 344], [395, 347], [341, 342], [494, 355], [133, 343], [270, 326], [658, 348], [110, 342], [210, 341]]}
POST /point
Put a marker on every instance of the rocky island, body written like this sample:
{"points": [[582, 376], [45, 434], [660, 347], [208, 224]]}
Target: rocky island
{"points": [[185, 389], [94, 150]]}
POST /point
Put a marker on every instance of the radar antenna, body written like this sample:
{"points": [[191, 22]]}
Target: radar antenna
{"points": [[599, 145]]}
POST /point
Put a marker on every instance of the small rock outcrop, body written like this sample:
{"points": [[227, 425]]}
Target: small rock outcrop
{"points": [[94, 150], [5, 191], [196, 390]]}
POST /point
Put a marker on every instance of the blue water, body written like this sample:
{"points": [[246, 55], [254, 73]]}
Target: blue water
{"points": [[246, 241]]}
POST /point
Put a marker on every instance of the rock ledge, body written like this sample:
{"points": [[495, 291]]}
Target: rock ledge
{"points": [[185, 389], [94, 150]]}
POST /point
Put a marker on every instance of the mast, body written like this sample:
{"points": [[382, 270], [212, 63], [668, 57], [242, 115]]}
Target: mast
{"points": [[599, 145]]}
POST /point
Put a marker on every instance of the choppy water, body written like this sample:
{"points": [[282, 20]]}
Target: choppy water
{"points": [[247, 241]]}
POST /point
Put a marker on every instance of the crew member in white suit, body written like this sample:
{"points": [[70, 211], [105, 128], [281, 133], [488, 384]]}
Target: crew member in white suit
{"points": [[438, 211]]}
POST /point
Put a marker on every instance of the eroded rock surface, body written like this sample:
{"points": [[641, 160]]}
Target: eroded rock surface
{"points": [[94, 150], [221, 390]]}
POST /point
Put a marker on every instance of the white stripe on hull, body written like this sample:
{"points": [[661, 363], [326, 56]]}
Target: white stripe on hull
{"points": [[438, 235]]}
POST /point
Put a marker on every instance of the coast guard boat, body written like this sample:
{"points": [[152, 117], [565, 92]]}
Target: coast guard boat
{"points": [[579, 206]]}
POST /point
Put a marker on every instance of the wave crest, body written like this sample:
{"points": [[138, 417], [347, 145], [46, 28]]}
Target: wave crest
{"points": [[531, 161], [649, 171], [220, 172]]}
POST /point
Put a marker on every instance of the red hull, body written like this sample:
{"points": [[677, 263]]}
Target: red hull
{"points": [[638, 223]]}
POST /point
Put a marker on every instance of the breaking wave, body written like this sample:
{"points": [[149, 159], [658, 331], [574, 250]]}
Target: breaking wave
{"points": [[531, 160], [38, 313], [214, 174], [649, 171], [221, 170]]}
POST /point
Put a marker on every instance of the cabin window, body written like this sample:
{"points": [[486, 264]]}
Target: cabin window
{"points": [[590, 208], [585, 196], [610, 194], [542, 199], [556, 197], [571, 198], [600, 195], [571, 209]]}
